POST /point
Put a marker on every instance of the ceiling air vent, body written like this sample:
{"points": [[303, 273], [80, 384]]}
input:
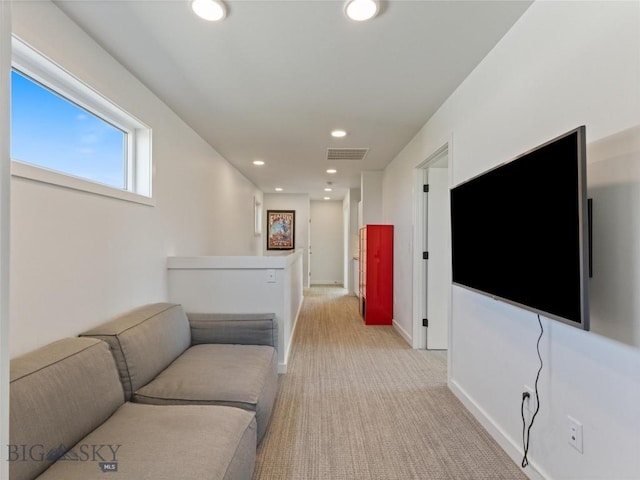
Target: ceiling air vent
{"points": [[346, 153]]}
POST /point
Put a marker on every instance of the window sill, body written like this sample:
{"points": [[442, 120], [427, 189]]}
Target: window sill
{"points": [[42, 175]]}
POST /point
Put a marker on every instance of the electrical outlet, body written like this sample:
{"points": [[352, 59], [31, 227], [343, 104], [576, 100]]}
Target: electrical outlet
{"points": [[574, 430], [529, 403]]}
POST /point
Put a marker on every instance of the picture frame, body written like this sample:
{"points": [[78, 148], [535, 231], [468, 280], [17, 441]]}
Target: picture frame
{"points": [[281, 229]]}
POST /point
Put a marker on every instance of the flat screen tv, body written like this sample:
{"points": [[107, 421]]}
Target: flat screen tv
{"points": [[520, 231]]}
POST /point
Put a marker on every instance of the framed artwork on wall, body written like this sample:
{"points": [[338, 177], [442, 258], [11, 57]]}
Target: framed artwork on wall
{"points": [[281, 229]]}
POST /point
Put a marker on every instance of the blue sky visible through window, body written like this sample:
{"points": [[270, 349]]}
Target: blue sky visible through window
{"points": [[50, 131]]}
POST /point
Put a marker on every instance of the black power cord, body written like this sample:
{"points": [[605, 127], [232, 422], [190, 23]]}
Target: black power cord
{"points": [[526, 432]]}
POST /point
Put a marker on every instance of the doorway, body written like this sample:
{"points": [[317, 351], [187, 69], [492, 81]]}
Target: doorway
{"points": [[327, 243], [432, 267]]}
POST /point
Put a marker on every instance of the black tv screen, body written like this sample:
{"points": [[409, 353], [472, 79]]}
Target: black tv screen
{"points": [[519, 231]]}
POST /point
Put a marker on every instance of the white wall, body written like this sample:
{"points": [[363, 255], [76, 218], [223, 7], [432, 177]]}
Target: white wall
{"points": [[614, 185], [562, 65], [79, 259], [371, 196], [5, 186], [302, 206], [327, 242]]}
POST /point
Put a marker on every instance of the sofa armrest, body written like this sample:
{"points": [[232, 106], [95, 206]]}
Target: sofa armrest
{"points": [[238, 328]]}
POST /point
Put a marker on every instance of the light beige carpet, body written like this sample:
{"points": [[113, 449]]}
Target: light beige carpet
{"points": [[358, 403]]}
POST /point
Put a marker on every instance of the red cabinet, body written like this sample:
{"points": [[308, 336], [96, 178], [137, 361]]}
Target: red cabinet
{"points": [[376, 274]]}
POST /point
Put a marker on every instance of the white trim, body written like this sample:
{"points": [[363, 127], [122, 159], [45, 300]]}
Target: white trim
{"points": [[418, 340], [257, 216], [330, 283], [282, 367], [49, 73], [403, 333], [138, 162], [226, 262], [43, 175], [498, 434]]}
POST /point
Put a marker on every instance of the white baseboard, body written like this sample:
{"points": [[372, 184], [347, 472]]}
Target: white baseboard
{"points": [[512, 449], [282, 367], [403, 333]]}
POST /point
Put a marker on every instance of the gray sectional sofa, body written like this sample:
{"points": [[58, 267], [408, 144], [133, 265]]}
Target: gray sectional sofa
{"points": [[151, 394]]}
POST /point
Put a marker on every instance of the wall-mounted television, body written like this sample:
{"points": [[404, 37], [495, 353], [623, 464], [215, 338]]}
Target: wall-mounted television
{"points": [[520, 231]]}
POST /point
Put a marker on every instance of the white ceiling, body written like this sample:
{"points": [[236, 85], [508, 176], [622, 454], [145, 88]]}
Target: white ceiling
{"points": [[275, 77]]}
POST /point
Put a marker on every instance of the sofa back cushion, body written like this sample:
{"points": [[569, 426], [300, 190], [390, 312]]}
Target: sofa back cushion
{"points": [[58, 395], [145, 341]]}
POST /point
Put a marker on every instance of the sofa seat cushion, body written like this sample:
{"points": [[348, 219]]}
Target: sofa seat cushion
{"points": [[164, 443], [243, 376]]}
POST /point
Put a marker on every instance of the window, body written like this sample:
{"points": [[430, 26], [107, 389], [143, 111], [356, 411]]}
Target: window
{"points": [[51, 132], [65, 133]]}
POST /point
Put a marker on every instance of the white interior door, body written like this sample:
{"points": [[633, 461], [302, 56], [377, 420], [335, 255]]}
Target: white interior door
{"points": [[327, 243], [439, 263]]}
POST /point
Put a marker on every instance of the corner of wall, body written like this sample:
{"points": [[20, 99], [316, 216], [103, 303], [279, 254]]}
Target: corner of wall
{"points": [[5, 188]]}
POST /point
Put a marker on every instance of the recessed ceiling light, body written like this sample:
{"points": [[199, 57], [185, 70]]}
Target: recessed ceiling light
{"points": [[332, 170], [212, 10], [327, 198], [361, 10], [279, 189], [327, 189], [258, 162], [338, 133]]}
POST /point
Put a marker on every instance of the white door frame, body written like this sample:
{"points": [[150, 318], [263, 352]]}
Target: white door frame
{"points": [[438, 268], [419, 340]]}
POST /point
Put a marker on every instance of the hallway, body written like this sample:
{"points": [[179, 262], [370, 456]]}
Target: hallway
{"points": [[359, 403]]}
